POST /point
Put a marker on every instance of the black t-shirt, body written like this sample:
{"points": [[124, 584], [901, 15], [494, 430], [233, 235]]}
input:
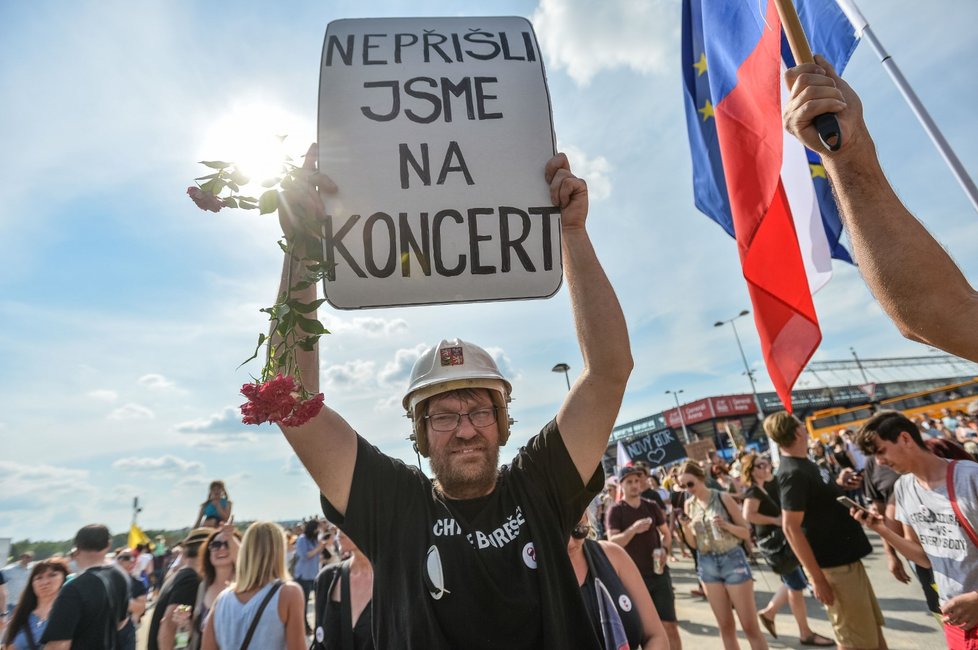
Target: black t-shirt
{"points": [[605, 570], [878, 480], [81, 611], [180, 589], [482, 573], [835, 537], [653, 495], [770, 506], [642, 545]]}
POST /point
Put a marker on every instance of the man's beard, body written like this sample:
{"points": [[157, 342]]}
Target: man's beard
{"points": [[466, 481]]}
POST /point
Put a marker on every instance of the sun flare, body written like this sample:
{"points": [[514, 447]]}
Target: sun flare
{"points": [[251, 136]]}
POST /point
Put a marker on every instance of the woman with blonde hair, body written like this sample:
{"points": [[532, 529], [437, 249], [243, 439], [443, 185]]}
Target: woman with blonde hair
{"points": [[261, 609], [713, 523]]}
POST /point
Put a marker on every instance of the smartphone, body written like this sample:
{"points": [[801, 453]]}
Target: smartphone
{"points": [[849, 503]]}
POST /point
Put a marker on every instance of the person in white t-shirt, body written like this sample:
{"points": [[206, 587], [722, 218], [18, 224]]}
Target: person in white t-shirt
{"points": [[934, 534], [16, 578]]}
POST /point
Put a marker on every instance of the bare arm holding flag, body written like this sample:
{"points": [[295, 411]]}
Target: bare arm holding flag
{"points": [[911, 275]]}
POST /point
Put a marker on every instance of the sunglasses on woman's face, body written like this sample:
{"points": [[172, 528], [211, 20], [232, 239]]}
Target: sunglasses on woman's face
{"points": [[218, 544], [687, 486]]}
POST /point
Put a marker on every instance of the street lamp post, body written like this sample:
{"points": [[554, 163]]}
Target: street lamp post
{"points": [[682, 420], [750, 373], [563, 367]]}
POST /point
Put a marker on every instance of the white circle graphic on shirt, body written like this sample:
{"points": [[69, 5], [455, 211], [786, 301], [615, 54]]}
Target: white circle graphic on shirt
{"points": [[625, 603], [320, 635], [434, 574], [530, 555]]}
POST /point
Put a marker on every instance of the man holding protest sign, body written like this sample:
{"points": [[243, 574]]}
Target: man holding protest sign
{"points": [[477, 558], [909, 272]]}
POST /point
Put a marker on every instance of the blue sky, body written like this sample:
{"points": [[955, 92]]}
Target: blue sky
{"points": [[126, 310]]}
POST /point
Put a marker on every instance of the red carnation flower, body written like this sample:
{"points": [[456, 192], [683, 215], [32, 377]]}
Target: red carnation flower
{"points": [[305, 411], [277, 400], [205, 200]]}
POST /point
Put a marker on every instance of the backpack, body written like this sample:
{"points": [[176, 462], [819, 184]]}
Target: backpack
{"points": [[111, 634]]}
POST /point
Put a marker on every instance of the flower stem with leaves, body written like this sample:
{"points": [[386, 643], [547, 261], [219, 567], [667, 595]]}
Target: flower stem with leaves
{"points": [[278, 394]]}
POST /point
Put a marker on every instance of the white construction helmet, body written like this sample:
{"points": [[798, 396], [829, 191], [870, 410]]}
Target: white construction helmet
{"points": [[453, 365]]}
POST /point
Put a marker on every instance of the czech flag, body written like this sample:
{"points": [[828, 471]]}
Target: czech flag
{"points": [[754, 179]]}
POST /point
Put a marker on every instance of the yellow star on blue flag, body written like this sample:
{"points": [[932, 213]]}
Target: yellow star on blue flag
{"points": [[706, 111], [701, 64]]}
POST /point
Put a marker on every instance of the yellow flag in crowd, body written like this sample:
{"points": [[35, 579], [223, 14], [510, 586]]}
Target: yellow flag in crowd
{"points": [[137, 537]]}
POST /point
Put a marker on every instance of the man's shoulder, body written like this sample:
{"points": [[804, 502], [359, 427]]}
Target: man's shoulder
{"points": [[186, 574], [966, 467], [650, 504], [792, 467]]}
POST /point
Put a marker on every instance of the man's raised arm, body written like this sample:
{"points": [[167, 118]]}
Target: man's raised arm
{"points": [[326, 444], [910, 274], [588, 414]]}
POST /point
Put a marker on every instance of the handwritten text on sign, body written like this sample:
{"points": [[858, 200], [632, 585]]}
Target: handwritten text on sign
{"points": [[436, 132], [657, 448]]}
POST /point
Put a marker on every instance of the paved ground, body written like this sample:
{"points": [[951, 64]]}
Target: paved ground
{"points": [[908, 624]]}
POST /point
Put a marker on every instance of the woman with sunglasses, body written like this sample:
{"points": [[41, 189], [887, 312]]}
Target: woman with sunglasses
{"points": [[216, 564], [762, 508], [713, 522], [30, 618], [261, 609], [605, 568]]}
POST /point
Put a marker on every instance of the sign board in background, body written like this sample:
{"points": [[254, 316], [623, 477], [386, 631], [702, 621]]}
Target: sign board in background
{"points": [[711, 407], [436, 132], [656, 448]]}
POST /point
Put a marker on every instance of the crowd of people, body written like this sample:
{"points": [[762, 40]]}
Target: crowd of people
{"points": [[217, 588], [483, 555]]}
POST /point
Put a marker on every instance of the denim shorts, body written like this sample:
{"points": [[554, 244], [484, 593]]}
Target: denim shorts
{"points": [[728, 568], [795, 580]]}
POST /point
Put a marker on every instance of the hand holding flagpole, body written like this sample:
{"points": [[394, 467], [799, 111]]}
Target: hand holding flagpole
{"points": [[826, 124]]}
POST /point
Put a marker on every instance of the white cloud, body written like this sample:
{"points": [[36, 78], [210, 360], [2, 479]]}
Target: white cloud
{"points": [[397, 372], [587, 37], [225, 421], [366, 325], [131, 412], [24, 485], [293, 466], [505, 365], [597, 171], [227, 440], [167, 465], [103, 395], [155, 381], [352, 374]]}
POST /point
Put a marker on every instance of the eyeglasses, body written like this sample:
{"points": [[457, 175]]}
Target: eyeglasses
{"points": [[687, 486], [451, 421], [761, 465], [124, 558], [218, 544]]}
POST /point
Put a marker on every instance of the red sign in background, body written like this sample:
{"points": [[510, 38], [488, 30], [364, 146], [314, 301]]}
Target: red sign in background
{"points": [[711, 407]]}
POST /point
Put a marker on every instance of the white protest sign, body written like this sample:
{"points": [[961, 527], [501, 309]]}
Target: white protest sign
{"points": [[436, 132]]}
